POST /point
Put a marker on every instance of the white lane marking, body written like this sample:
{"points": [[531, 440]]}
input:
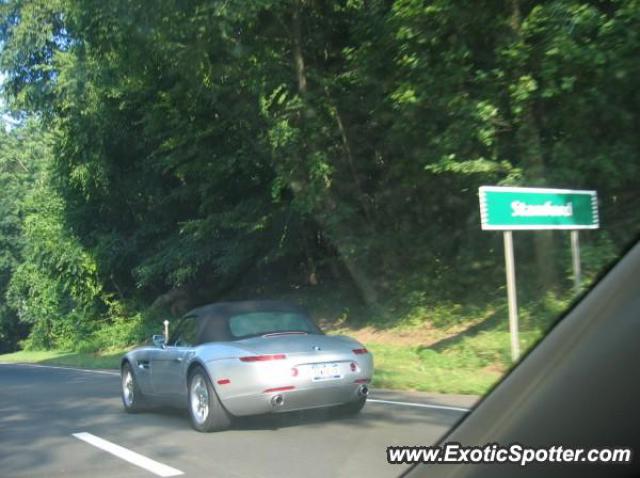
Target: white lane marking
{"points": [[104, 372], [419, 405], [132, 457]]}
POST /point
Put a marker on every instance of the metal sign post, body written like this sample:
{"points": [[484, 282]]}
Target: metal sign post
{"points": [[575, 259], [508, 209], [511, 294]]}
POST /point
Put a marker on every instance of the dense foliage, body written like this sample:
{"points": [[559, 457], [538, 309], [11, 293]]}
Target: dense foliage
{"points": [[166, 154]]}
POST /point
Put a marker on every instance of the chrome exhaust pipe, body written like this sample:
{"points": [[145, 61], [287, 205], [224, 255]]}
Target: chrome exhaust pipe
{"points": [[277, 401], [363, 391]]}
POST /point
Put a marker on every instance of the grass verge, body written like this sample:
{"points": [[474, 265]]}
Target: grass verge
{"points": [[406, 358], [110, 359], [471, 366]]}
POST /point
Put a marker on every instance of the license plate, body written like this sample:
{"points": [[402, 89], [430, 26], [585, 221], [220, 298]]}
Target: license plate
{"points": [[325, 371]]}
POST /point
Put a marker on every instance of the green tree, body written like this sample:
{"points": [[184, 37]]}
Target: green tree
{"points": [[198, 144]]}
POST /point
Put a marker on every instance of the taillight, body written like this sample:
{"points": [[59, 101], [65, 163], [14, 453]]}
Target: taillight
{"points": [[279, 389], [263, 358], [360, 351]]}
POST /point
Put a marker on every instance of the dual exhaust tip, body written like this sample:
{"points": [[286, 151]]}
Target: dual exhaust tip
{"points": [[363, 391], [278, 400]]}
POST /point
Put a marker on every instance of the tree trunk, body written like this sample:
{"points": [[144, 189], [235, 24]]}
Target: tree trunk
{"points": [[530, 147], [298, 57], [177, 301], [361, 196], [332, 232]]}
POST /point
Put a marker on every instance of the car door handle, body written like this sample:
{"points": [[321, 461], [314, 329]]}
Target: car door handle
{"points": [[144, 364], [179, 359]]}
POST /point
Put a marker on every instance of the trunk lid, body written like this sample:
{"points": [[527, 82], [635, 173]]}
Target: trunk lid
{"points": [[294, 344]]}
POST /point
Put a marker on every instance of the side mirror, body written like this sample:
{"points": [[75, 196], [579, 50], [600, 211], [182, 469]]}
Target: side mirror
{"points": [[158, 340]]}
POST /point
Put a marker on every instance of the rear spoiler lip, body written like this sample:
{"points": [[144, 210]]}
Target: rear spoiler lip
{"points": [[278, 334]]}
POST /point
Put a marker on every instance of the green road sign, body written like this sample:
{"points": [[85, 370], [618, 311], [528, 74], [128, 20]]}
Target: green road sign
{"points": [[506, 208], [509, 209]]}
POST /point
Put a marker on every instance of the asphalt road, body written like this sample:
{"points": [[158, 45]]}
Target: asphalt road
{"points": [[41, 408]]}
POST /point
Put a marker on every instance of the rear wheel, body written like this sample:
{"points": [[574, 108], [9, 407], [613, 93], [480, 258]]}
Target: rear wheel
{"points": [[206, 411], [352, 408], [132, 397]]}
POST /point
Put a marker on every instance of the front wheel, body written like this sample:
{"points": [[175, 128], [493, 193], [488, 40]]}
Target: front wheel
{"points": [[132, 397], [206, 411]]}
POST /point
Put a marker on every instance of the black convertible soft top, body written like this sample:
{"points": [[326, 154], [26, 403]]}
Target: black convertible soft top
{"points": [[213, 324]]}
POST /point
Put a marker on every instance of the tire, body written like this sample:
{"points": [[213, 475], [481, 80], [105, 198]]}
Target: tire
{"points": [[205, 409], [352, 408], [132, 398]]}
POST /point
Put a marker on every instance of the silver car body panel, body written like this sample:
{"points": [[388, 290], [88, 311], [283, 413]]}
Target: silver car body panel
{"points": [[247, 388]]}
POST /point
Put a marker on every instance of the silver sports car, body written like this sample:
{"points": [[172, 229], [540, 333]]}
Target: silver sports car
{"points": [[246, 358]]}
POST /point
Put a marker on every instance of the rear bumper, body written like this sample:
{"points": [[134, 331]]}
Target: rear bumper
{"points": [[297, 399], [248, 388]]}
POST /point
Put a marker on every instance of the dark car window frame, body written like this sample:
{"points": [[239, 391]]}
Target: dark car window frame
{"points": [[177, 335]]}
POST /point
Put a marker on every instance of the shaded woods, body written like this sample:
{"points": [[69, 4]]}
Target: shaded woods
{"points": [[166, 157]]}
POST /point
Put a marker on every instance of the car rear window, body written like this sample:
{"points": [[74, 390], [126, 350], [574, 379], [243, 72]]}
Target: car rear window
{"points": [[260, 323]]}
